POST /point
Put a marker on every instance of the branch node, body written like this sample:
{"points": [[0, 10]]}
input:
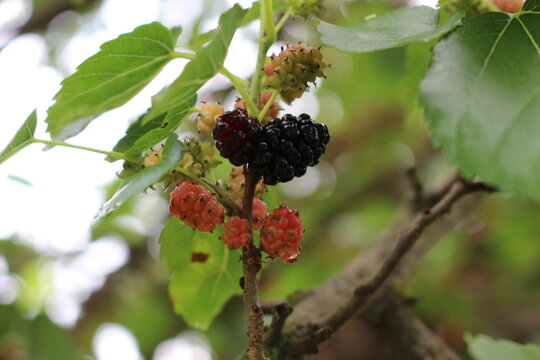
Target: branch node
{"points": [[280, 313]]}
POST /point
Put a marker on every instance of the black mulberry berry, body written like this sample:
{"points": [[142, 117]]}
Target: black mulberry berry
{"points": [[236, 133], [288, 145]]}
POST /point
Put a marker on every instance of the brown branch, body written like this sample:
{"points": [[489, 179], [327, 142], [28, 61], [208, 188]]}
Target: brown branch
{"points": [[280, 313], [416, 187], [388, 329], [251, 259], [363, 293]]}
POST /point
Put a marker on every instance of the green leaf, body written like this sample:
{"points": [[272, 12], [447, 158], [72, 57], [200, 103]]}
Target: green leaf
{"points": [[482, 99], [199, 289], [392, 29], [417, 61], [147, 177], [140, 137], [169, 124], [482, 347], [109, 78], [176, 31], [134, 132], [23, 138], [197, 72], [531, 5]]}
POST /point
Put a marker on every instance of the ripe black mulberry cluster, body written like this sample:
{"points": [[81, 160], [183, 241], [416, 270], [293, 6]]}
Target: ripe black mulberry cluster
{"points": [[287, 147], [279, 151], [236, 133]]}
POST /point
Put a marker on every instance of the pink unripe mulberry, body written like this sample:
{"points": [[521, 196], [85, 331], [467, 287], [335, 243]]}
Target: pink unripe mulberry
{"points": [[196, 207], [281, 234], [236, 233]]}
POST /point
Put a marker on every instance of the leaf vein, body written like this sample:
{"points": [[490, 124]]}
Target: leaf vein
{"points": [[515, 118], [529, 35], [491, 52]]}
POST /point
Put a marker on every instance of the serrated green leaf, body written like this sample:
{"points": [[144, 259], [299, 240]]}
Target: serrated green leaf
{"points": [[23, 138], [199, 290], [482, 347], [109, 78], [139, 182], [198, 71], [482, 99], [392, 29]]}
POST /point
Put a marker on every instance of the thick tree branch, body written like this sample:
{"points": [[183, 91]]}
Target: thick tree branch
{"points": [[404, 242], [316, 309]]}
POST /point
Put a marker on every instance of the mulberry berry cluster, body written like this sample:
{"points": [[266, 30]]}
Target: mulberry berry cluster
{"points": [[287, 147], [281, 234], [281, 150], [196, 207], [293, 68], [236, 133], [236, 229], [235, 233], [206, 120]]}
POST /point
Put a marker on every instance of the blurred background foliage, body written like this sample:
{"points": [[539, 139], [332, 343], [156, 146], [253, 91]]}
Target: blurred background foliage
{"points": [[482, 277]]}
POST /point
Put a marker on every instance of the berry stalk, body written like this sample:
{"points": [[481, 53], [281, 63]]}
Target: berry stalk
{"points": [[267, 37], [267, 106], [251, 259]]}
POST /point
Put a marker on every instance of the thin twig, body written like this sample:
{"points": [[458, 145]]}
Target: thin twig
{"points": [[224, 197], [251, 259], [417, 188], [308, 344], [403, 244], [280, 313]]}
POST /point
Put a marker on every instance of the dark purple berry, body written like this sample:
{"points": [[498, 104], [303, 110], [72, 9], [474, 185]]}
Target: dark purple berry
{"points": [[288, 145], [236, 133]]}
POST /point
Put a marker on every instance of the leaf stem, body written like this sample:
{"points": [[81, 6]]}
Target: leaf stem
{"points": [[267, 106], [269, 21], [183, 55], [237, 83], [283, 20], [112, 154], [267, 36]]}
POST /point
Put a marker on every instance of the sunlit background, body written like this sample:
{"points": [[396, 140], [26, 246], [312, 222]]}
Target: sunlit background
{"points": [[48, 199]]}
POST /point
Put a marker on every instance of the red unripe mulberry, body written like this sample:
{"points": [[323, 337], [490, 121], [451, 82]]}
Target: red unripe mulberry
{"points": [[196, 207], [258, 213], [281, 234], [236, 233]]}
